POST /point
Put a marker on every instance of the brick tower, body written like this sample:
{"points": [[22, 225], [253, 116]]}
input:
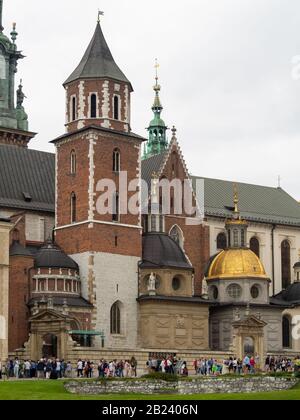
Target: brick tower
{"points": [[99, 145]]}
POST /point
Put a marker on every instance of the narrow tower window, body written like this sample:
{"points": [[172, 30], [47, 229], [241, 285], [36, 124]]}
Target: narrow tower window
{"points": [[116, 160], [285, 264], [93, 105], [73, 110], [254, 246], [73, 162], [73, 207], [116, 208], [116, 108]]}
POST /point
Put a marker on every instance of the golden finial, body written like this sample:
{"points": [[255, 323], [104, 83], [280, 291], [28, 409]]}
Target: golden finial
{"points": [[157, 86], [236, 200]]}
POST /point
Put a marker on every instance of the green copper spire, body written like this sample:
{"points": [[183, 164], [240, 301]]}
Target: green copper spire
{"points": [[11, 116], [157, 129]]}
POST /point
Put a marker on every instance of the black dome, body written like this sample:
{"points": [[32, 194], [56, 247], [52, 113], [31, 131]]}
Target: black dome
{"points": [[51, 256], [159, 250], [292, 293]]}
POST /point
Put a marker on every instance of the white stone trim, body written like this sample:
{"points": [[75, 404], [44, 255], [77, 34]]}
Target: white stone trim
{"points": [[99, 223], [92, 141], [81, 105]]}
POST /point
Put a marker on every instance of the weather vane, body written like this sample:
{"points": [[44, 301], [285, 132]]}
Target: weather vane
{"points": [[100, 13]]}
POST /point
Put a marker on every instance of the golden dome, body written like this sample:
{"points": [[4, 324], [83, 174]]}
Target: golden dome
{"points": [[235, 263]]}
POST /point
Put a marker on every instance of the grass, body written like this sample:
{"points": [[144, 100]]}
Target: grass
{"points": [[54, 390]]}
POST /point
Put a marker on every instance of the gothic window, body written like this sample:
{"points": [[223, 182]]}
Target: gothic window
{"points": [[235, 238], [93, 100], [286, 332], [115, 319], [242, 238], [73, 162], [116, 208], [221, 241], [286, 264], [177, 235], [116, 160], [116, 107], [73, 109], [254, 246], [73, 207]]}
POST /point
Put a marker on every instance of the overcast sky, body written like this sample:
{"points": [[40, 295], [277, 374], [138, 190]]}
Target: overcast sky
{"points": [[225, 70]]}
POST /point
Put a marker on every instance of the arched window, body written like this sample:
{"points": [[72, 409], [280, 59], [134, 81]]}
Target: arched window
{"points": [[177, 235], [116, 160], [286, 332], [116, 208], [93, 100], [115, 319], [221, 241], [73, 108], [116, 108], [285, 264], [73, 162], [235, 238], [254, 246], [73, 207]]}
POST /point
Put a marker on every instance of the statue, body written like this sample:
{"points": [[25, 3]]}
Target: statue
{"points": [[20, 96], [204, 289], [152, 284]]}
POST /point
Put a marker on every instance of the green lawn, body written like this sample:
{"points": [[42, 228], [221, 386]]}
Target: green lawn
{"points": [[54, 390]]}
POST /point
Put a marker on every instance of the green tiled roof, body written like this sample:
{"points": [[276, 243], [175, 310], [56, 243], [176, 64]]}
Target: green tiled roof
{"points": [[256, 203]]}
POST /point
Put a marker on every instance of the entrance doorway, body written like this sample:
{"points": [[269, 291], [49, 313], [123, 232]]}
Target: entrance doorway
{"points": [[249, 346], [49, 349]]}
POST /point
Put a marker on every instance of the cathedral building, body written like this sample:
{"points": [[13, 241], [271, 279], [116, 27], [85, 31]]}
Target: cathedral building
{"points": [[77, 281]]}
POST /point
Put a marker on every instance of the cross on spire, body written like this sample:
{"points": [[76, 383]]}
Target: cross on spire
{"points": [[100, 13]]}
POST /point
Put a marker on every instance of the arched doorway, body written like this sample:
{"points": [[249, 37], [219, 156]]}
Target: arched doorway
{"points": [[49, 349], [249, 346]]}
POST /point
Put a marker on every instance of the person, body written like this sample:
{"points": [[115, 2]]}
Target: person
{"points": [[40, 369], [79, 368], [16, 368], [27, 369], [252, 365], [69, 370], [48, 369], [246, 364], [133, 363], [58, 368]]}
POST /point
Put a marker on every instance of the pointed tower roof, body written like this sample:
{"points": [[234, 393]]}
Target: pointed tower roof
{"points": [[98, 62]]}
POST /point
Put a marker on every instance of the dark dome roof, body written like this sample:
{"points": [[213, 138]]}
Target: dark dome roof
{"points": [[51, 256], [297, 265], [292, 293], [160, 250]]}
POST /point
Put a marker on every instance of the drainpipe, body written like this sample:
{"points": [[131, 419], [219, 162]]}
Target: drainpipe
{"points": [[273, 259]]}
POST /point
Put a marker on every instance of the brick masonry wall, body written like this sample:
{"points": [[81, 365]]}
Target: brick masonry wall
{"points": [[196, 238], [18, 297]]}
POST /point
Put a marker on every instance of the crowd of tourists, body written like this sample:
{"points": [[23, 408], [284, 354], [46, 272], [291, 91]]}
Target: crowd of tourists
{"points": [[57, 369], [157, 362], [247, 365], [166, 364]]}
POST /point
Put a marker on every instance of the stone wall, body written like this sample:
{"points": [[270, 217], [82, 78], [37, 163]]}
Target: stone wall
{"points": [[196, 386]]}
